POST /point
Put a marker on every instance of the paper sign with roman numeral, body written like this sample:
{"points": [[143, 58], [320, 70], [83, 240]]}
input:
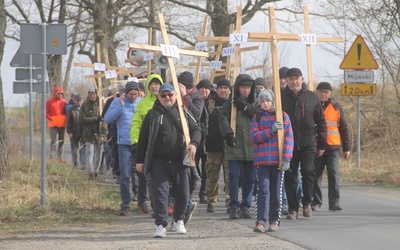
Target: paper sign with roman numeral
{"points": [[100, 66], [308, 38], [228, 51], [238, 38], [215, 64], [201, 46], [110, 74], [148, 56], [169, 50]]}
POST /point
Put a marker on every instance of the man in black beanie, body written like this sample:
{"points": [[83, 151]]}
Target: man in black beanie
{"points": [[195, 103]]}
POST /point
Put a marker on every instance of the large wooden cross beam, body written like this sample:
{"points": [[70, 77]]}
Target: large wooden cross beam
{"points": [[173, 73]]}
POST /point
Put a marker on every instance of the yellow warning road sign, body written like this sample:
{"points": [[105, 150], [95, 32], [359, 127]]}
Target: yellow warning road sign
{"points": [[362, 89], [359, 56]]}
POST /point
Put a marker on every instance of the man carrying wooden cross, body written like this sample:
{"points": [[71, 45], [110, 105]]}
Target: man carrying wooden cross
{"points": [[239, 149]]}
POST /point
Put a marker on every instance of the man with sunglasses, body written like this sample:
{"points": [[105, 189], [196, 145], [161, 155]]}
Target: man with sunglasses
{"points": [[162, 152]]}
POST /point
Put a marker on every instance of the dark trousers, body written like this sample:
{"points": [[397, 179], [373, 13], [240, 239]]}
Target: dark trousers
{"points": [[203, 160], [114, 152], [56, 144], [306, 158], [331, 161], [162, 174]]}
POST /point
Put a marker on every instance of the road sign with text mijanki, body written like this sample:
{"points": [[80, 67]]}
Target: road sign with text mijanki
{"points": [[359, 56]]}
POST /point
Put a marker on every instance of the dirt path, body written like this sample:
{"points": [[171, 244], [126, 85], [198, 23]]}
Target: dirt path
{"points": [[205, 231]]}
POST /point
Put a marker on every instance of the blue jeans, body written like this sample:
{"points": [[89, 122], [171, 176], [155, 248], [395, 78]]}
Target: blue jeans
{"points": [[241, 170], [125, 168], [268, 202], [94, 152]]}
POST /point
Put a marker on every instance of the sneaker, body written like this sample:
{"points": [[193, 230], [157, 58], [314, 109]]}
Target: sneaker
{"points": [[234, 213], [285, 210], [203, 200], [307, 211], [170, 210], [259, 228], [189, 212], [228, 210], [62, 160], [273, 228], [143, 208], [245, 214], [179, 227], [316, 207], [335, 208], [161, 232], [292, 215], [210, 208], [83, 167], [124, 211]]}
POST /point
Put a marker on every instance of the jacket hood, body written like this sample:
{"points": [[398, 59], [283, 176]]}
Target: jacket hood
{"points": [[242, 78], [58, 90], [151, 77]]}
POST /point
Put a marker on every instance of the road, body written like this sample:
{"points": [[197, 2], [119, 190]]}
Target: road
{"points": [[370, 220]]}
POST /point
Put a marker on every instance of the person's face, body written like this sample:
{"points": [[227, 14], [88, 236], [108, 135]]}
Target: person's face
{"points": [[154, 87], [294, 82], [141, 93], [59, 95], [244, 91], [266, 105], [283, 82], [92, 96], [204, 92], [132, 95], [223, 92], [79, 103], [260, 87], [167, 99], [324, 94]]}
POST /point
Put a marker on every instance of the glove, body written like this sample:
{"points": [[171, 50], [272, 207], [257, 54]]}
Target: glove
{"points": [[277, 125], [284, 166], [230, 140], [239, 103], [99, 118]]}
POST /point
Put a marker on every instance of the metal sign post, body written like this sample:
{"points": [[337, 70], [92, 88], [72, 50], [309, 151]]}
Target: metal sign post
{"points": [[43, 138]]}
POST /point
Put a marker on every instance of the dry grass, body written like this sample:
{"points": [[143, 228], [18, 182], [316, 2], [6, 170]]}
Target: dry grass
{"points": [[70, 197]]}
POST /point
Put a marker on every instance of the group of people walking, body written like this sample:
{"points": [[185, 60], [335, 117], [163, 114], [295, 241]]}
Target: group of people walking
{"points": [[152, 146]]}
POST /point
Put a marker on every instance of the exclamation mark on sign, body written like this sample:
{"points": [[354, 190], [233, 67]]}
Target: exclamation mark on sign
{"points": [[359, 53]]}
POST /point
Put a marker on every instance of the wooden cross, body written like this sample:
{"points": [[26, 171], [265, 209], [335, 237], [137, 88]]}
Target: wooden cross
{"points": [[308, 47], [173, 74], [273, 37]]}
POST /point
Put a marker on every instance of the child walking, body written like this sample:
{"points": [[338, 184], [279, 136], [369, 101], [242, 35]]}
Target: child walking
{"points": [[269, 168]]}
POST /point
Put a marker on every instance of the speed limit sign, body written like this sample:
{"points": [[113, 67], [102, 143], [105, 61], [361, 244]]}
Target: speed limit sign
{"points": [[132, 53]]}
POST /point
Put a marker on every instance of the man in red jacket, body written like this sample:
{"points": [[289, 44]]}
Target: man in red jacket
{"points": [[55, 114]]}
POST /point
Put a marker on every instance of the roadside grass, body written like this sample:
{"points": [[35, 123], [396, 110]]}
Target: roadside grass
{"points": [[70, 197]]}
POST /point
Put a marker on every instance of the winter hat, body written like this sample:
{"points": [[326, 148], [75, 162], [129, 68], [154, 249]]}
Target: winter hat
{"points": [[266, 94], [261, 81], [324, 86], [78, 97], [283, 72], [294, 71], [186, 78], [92, 89], [142, 87], [224, 82], [204, 84], [131, 86]]}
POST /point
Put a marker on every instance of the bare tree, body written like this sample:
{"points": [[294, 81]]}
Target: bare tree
{"points": [[40, 11], [4, 163]]}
